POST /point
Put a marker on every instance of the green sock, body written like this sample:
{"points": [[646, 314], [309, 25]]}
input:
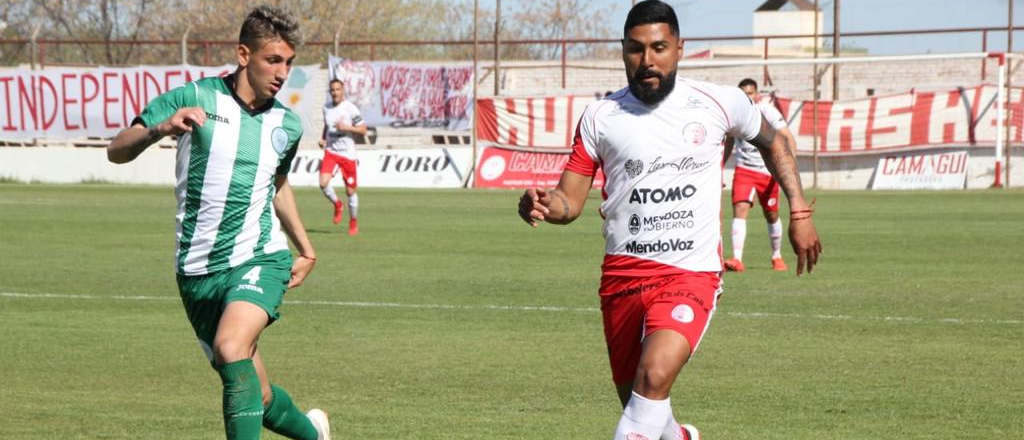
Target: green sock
{"points": [[283, 417], [243, 401]]}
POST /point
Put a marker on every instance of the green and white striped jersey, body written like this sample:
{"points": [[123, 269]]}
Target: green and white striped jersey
{"points": [[225, 175]]}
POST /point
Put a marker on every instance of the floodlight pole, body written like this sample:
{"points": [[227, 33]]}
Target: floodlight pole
{"points": [[835, 50], [1009, 83], [497, 46], [184, 44], [476, 58], [1000, 121], [817, 83], [35, 46]]}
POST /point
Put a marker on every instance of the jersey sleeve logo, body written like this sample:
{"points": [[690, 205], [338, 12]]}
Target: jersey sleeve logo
{"points": [[279, 139]]}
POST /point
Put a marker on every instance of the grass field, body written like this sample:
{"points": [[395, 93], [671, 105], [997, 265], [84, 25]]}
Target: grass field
{"points": [[448, 318]]}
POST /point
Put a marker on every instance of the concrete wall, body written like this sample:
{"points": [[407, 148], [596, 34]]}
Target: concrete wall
{"points": [[156, 167]]}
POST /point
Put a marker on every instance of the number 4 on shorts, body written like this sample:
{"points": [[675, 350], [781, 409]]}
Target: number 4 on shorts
{"points": [[253, 276]]}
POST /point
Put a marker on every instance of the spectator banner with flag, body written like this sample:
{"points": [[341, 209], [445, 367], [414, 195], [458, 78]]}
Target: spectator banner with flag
{"points": [[405, 94], [65, 103]]}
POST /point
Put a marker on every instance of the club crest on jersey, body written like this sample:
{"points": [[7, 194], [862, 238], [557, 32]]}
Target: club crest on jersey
{"points": [[279, 139], [634, 167], [634, 224], [683, 313], [694, 134]]}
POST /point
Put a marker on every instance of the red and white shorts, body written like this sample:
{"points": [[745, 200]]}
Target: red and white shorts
{"points": [[348, 168], [635, 307], [747, 183]]}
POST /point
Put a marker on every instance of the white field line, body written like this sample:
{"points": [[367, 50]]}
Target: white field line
{"points": [[391, 305]]}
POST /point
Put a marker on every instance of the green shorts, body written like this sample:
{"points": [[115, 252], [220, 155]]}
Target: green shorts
{"points": [[261, 281]]}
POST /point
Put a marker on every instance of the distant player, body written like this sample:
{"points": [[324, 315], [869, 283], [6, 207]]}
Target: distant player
{"points": [[341, 120], [236, 144], [659, 144], [752, 178]]}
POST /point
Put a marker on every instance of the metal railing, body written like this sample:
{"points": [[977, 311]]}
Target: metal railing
{"points": [[205, 50]]}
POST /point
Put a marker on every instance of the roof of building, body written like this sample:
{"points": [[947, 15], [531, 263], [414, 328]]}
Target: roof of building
{"points": [[775, 5]]}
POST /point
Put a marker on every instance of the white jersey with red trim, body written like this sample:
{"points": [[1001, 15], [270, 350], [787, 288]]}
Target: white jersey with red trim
{"points": [[747, 155], [341, 142], [663, 174]]}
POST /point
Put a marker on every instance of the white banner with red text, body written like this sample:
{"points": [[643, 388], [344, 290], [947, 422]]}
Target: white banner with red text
{"points": [[951, 118], [404, 168], [407, 95], [66, 103], [945, 170], [426, 167]]}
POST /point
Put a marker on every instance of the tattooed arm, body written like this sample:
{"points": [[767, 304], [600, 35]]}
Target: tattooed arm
{"points": [[778, 157], [561, 205]]}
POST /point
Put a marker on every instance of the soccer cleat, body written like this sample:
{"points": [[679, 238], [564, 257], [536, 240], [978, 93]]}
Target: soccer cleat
{"points": [[338, 209], [734, 265], [779, 264], [319, 420], [690, 432], [353, 227]]}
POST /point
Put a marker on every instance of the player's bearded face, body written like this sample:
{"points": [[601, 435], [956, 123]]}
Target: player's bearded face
{"points": [[651, 53], [649, 92]]}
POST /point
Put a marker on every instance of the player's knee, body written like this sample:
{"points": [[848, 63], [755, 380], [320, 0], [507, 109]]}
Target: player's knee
{"points": [[227, 350], [654, 381]]}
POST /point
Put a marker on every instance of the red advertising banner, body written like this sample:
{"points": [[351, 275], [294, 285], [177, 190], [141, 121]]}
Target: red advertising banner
{"points": [[504, 168], [955, 118]]}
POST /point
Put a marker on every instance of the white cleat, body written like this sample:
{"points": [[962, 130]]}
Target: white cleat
{"points": [[319, 419], [690, 432]]}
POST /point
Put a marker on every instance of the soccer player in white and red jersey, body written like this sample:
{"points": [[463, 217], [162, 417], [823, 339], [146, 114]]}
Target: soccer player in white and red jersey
{"points": [[751, 179], [660, 145], [342, 119]]}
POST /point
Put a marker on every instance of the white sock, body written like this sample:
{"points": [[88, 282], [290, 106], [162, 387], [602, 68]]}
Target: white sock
{"points": [[643, 419], [775, 235], [353, 206], [739, 235], [672, 430], [329, 193]]}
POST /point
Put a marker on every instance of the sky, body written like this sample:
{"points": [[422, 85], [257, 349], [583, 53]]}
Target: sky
{"points": [[708, 18]]}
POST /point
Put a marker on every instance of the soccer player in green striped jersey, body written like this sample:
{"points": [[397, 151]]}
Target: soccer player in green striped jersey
{"points": [[235, 147]]}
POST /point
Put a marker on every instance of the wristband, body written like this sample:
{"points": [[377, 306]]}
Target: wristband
{"points": [[796, 215], [313, 259]]}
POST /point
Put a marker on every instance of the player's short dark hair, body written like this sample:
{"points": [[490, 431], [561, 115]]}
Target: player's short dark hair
{"points": [[336, 80], [266, 23], [747, 82], [651, 11]]}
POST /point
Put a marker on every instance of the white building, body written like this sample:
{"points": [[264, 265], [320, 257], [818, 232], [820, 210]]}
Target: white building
{"points": [[786, 17]]}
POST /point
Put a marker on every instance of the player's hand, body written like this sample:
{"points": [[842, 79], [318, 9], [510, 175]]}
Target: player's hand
{"points": [[533, 206], [182, 121], [806, 244], [322, 143], [301, 267]]}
